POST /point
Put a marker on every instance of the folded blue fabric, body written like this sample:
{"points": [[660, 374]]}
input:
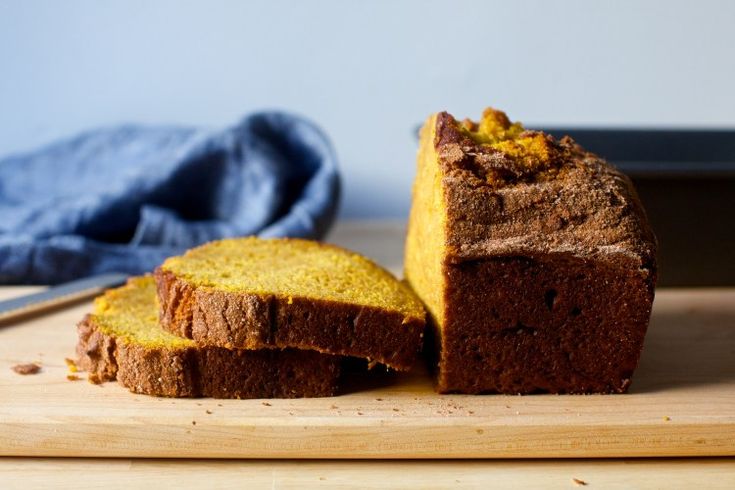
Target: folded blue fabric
{"points": [[124, 199]]}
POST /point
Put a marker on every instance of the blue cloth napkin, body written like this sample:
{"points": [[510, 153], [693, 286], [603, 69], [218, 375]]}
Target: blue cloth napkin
{"points": [[123, 199]]}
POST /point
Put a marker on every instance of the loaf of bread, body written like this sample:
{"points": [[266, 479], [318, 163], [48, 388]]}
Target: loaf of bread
{"points": [[256, 293], [534, 259], [122, 340]]}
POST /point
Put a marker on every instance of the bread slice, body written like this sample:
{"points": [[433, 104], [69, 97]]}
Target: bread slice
{"points": [[253, 293], [121, 339], [533, 257]]}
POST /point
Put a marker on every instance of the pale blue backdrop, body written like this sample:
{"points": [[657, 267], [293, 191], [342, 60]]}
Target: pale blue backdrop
{"points": [[366, 71]]}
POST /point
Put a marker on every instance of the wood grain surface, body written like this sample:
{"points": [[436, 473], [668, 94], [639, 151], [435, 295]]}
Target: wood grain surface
{"points": [[682, 403], [641, 474]]}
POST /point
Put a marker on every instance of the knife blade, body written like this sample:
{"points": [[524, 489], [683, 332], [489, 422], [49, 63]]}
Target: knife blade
{"points": [[57, 296]]}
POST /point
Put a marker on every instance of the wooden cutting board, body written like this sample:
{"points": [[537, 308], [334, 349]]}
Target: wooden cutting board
{"points": [[682, 403]]}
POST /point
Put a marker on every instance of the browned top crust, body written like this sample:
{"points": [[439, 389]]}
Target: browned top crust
{"points": [[576, 204]]}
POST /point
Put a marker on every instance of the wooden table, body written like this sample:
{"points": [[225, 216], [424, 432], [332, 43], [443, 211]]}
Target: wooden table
{"points": [[626, 474], [697, 417]]}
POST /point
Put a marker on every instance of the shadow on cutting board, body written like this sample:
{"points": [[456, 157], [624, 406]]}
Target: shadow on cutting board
{"points": [[356, 377], [687, 345]]}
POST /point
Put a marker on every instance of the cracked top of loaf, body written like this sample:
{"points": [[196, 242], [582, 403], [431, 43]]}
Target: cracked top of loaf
{"points": [[507, 190]]}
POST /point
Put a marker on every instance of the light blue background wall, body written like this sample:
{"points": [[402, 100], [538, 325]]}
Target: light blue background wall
{"points": [[367, 71]]}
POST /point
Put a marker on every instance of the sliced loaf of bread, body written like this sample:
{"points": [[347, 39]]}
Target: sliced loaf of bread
{"points": [[533, 256]]}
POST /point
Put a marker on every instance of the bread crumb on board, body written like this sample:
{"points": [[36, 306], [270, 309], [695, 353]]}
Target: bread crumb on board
{"points": [[71, 364], [72, 377], [579, 483], [666, 418], [25, 369]]}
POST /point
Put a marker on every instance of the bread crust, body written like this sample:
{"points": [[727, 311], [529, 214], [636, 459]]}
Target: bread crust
{"points": [[250, 321], [588, 208], [205, 371]]}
